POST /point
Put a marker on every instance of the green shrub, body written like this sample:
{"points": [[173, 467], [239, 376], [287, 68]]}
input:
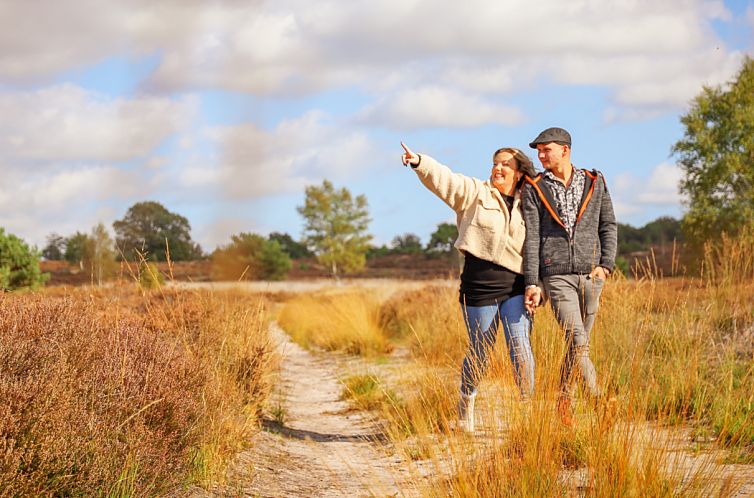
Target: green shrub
{"points": [[19, 264], [150, 276], [250, 257], [274, 261]]}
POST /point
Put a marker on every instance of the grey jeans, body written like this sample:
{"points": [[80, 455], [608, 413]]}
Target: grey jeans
{"points": [[575, 299]]}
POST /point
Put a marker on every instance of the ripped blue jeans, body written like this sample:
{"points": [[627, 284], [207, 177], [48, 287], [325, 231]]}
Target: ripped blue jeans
{"points": [[482, 324]]}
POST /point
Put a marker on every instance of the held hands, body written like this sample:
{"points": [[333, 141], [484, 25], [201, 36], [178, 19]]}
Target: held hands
{"points": [[599, 272], [532, 299], [408, 158]]}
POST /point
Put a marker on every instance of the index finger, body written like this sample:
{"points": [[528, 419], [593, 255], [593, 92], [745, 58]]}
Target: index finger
{"points": [[408, 152]]}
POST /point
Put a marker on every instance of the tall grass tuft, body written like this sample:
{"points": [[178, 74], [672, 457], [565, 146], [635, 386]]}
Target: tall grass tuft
{"points": [[429, 320], [345, 321]]}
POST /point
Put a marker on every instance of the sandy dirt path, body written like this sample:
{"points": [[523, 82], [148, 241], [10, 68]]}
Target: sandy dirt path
{"points": [[323, 449]]}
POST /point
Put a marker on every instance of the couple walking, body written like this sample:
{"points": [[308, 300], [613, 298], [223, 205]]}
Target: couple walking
{"points": [[526, 235]]}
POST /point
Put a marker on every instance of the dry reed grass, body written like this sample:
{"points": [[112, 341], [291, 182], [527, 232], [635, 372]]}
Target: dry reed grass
{"points": [[119, 392], [429, 321], [677, 353], [347, 321]]}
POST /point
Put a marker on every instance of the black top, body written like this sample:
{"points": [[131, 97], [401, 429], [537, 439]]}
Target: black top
{"points": [[484, 283]]}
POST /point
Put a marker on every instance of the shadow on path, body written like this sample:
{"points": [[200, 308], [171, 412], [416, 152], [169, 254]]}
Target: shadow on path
{"points": [[304, 435]]}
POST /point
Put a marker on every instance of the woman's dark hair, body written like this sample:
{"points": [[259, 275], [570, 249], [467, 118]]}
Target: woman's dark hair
{"points": [[522, 160]]}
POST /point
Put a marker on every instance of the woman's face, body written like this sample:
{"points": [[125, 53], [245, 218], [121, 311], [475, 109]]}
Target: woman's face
{"points": [[505, 171]]}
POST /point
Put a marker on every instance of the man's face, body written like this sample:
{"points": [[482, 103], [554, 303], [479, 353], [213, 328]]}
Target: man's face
{"points": [[551, 155]]}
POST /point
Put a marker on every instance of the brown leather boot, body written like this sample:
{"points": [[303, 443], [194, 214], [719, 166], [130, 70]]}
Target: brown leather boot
{"points": [[565, 411]]}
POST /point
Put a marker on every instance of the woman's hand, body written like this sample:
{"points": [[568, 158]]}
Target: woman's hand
{"points": [[532, 299], [408, 158]]}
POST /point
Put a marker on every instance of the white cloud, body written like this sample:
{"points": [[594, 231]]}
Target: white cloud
{"points": [[156, 162], [438, 107], [289, 47], [662, 186], [218, 231], [57, 149], [254, 162], [633, 195], [649, 52], [616, 114], [497, 79], [678, 84], [54, 191], [62, 188], [37, 203], [66, 122]]}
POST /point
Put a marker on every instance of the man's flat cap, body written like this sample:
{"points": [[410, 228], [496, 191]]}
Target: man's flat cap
{"points": [[557, 135]]}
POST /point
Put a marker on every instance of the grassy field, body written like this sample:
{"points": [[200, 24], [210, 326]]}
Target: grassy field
{"points": [[677, 353], [123, 392]]}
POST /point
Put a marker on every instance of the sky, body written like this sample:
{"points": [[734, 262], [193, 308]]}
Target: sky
{"points": [[224, 111]]}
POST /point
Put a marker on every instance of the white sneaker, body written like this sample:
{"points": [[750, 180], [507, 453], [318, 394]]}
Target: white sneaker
{"points": [[466, 413]]}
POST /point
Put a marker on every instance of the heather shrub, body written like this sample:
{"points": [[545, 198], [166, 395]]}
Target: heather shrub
{"points": [[103, 395]]}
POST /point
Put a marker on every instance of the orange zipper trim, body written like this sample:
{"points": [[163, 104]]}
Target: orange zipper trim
{"points": [[589, 195], [544, 200]]}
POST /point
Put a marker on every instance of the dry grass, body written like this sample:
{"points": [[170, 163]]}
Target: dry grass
{"points": [[121, 392], [429, 321], [347, 321], [678, 355]]}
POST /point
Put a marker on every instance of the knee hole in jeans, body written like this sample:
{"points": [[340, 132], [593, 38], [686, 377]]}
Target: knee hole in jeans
{"points": [[581, 350]]}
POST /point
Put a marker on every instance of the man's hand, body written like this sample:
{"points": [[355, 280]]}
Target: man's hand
{"points": [[532, 298], [409, 158], [599, 272]]}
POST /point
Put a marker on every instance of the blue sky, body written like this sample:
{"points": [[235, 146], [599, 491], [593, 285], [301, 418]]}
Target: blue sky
{"points": [[225, 111]]}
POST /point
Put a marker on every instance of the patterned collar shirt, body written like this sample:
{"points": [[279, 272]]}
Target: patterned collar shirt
{"points": [[567, 200]]}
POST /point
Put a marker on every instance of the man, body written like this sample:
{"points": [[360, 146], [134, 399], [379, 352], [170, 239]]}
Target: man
{"points": [[571, 239]]}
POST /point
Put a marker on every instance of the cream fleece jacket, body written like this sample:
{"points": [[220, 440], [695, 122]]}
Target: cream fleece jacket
{"points": [[485, 228]]}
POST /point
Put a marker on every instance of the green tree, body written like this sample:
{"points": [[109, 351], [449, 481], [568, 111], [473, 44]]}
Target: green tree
{"points": [[55, 248], [75, 248], [663, 230], [716, 155], [441, 241], [336, 227], [630, 239], [146, 228], [407, 243], [99, 254], [377, 251], [252, 257], [19, 264], [294, 249]]}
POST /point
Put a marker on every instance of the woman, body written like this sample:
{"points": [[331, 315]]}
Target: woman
{"points": [[491, 236]]}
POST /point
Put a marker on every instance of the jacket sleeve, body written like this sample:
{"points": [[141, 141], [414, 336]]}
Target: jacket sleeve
{"points": [[530, 205], [608, 229], [456, 190]]}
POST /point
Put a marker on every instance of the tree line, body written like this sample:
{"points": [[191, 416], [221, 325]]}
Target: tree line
{"points": [[335, 233]]}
